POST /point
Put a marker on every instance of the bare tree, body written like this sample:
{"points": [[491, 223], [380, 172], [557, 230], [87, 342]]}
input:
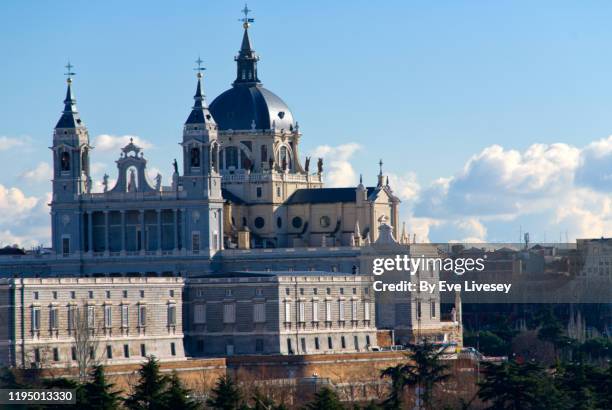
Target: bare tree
{"points": [[85, 328]]}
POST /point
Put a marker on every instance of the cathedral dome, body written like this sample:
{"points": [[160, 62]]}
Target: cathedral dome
{"points": [[248, 105], [251, 106]]}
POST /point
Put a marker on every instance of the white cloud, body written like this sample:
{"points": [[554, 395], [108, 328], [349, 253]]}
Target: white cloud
{"points": [[405, 187], [112, 143], [24, 219], [7, 143], [337, 169], [40, 173]]}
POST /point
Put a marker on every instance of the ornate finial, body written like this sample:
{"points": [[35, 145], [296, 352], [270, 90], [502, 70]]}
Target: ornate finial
{"points": [[69, 73], [380, 164], [360, 179], [199, 68], [246, 20]]}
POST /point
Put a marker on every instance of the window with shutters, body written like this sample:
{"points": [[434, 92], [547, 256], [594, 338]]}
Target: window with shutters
{"points": [[341, 310], [172, 314], [72, 314], [199, 313], [229, 313], [125, 314], [315, 311], [35, 319], [259, 313], [328, 311], [108, 318], [354, 310], [301, 312], [366, 314], [91, 316], [53, 319], [142, 315], [287, 312]]}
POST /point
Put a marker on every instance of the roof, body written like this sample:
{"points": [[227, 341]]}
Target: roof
{"points": [[230, 197], [251, 106], [70, 116], [326, 195]]}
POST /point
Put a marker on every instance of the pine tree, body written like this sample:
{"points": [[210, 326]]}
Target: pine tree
{"points": [[225, 395], [398, 382], [98, 393], [325, 399], [149, 394], [177, 397]]}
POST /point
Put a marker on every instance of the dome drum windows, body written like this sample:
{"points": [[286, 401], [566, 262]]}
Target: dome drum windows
{"points": [[296, 222], [259, 222], [65, 161], [325, 221]]}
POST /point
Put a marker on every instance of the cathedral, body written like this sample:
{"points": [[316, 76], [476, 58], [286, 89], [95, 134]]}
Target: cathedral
{"points": [[242, 214]]}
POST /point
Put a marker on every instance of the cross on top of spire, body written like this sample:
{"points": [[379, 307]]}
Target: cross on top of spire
{"points": [[69, 73], [246, 20], [380, 164], [199, 68]]}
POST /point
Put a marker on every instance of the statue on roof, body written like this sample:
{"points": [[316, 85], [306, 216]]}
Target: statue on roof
{"points": [[132, 181], [158, 182], [175, 165], [307, 164], [105, 182], [320, 166]]}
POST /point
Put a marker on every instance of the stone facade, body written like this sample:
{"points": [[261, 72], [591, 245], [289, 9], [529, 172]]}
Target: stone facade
{"points": [[127, 319], [280, 313]]}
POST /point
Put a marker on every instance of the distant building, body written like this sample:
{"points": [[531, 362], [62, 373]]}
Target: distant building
{"points": [[280, 313], [125, 318]]}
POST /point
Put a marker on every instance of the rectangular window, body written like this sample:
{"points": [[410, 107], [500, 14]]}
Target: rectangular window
{"points": [[367, 340], [419, 311], [316, 340], [72, 314], [91, 318], [229, 313], [328, 311], [73, 353], [55, 354], [109, 352], [353, 310], [315, 311], [301, 311], [126, 350], [433, 309], [330, 343], [303, 343], [143, 350], [125, 314], [199, 313], [195, 242], [343, 342], [259, 345], [142, 316], [37, 355], [259, 313], [287, 312], [65, 246], [356, 342], [341, 310], [259, 192], [366, 308], [108, 316], [171, 315], [53, 318], [289, 347], [172, 349]]}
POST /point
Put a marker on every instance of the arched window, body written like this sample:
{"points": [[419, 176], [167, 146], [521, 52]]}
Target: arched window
{"points": [[284, 158], [65, 161], [195, 157]]}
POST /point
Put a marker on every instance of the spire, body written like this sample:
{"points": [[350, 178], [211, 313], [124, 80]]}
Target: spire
{"points": [[246, 61], [70, 116], [199, 113], [381, 178]]}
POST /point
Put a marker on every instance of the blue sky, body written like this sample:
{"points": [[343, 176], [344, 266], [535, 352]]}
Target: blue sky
{"points": [[428, 86]]}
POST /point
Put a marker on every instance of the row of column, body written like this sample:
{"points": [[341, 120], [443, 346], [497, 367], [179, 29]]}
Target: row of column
{"points": [[141, 233]]}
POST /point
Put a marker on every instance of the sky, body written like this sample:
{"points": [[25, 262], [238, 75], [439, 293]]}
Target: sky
{"points": [[492, 118]]}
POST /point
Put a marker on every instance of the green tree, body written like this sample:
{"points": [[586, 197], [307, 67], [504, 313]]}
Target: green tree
{"points": [[325, 399], [178, 397], [98, 392], [225, 395], [398, 382], [149, 394], [514, 386]]}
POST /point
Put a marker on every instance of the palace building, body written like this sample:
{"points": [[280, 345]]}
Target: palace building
{"points": [[240, 199]]}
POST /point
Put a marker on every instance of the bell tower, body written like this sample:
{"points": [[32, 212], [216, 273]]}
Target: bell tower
{"points": [[71, 177], [201, 180]]}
